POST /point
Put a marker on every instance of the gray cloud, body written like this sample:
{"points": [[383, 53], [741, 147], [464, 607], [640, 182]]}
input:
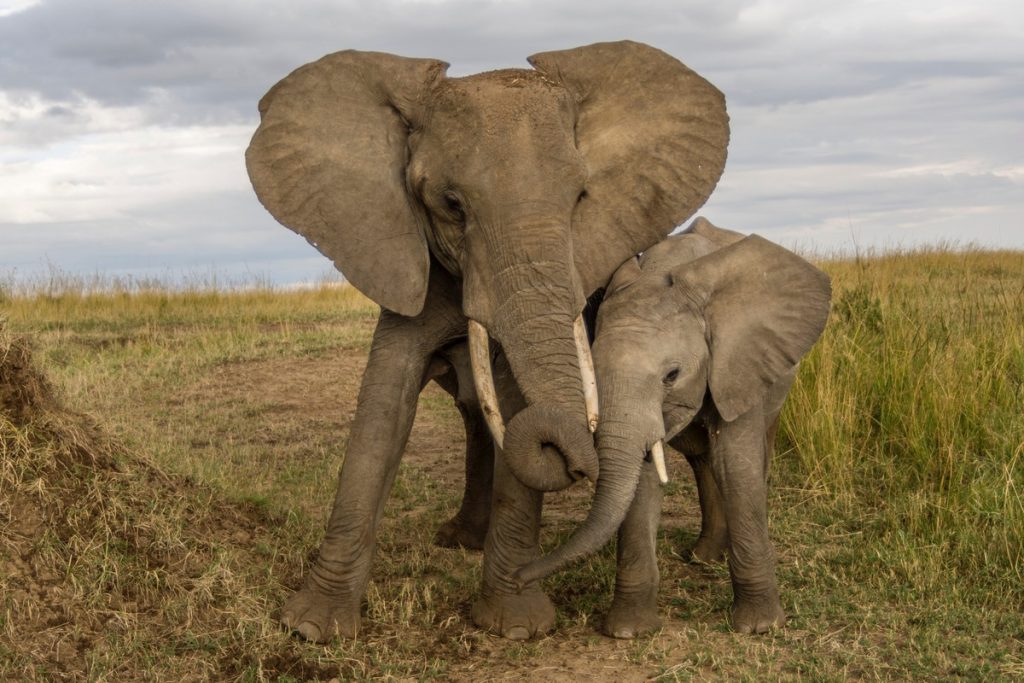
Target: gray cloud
{"points": [[122, 124]]}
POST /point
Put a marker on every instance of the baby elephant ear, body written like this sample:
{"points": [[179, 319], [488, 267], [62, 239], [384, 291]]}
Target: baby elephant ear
{"points": [[764, 307]]}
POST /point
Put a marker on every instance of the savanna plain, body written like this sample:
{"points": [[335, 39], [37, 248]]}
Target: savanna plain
{"points": [[168, 456]]}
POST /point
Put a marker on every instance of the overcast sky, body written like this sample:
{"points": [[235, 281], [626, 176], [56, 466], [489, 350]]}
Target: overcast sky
{"points": [[877, 124]]}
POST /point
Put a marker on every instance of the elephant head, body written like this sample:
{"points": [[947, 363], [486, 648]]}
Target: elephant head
{"points": [[706, 320], [529, 185]]}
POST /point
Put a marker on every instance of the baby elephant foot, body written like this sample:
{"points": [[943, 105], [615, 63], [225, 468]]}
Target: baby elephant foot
{"points": [[458, 534], [757, 614], [515, 616], [631, 620], [318, 617]]}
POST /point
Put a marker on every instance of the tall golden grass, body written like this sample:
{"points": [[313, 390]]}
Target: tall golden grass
{"points": [[909, 413]]}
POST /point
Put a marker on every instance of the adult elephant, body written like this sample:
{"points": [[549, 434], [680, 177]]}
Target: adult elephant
{"points": [[498, 201]]}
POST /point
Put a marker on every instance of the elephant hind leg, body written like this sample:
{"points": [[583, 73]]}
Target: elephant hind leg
{"points": [[714, 532], [737, 460], [468, 528]]}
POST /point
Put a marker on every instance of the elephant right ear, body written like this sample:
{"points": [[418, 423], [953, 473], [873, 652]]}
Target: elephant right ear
{"points": [[764, 307], [328, 161], [654, 136]]}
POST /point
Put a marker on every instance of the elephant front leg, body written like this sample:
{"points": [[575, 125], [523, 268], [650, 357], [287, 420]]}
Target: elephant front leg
{"points": [[634, 609], [330, 599], [738, 461], [512, 541]]}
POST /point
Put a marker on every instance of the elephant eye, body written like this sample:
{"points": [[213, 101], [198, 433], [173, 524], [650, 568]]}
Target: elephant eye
{"points": [[671, 376], [453, 205]]}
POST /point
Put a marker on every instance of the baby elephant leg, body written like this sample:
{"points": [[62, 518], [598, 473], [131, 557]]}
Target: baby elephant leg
{"points": [[692, 442], [635, 606], [738, 461]]}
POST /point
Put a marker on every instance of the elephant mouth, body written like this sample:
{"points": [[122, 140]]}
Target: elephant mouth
{"points": [[547, 451]]}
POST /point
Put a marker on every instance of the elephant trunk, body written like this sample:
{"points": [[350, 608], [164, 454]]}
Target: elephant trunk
{"points": [[623, 443], [548, 444]]}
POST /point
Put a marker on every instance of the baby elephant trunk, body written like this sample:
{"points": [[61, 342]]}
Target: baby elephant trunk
{"points": [[621, 455]]}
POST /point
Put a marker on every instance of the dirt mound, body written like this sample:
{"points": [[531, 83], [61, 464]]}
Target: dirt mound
{"points": [[28, 404], [99, 550]]}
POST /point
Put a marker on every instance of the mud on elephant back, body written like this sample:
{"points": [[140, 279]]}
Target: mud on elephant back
{"points": [[497, 203], [697, 342]]}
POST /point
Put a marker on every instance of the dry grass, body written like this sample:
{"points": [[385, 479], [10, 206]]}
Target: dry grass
{"points": [[160, 546], [910, 416]]}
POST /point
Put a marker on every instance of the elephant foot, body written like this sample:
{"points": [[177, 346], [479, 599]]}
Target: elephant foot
{"points": [[629, 619], [456, 533], [318, 617], [757, 614], [709, 550], [515, 616]]}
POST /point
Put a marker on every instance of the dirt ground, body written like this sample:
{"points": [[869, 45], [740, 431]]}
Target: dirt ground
{"points": [[292, 401], [320, 394]]}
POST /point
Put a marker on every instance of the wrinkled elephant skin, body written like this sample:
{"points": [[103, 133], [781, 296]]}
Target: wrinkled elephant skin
{"points": [[505, 199], [697, 343]]}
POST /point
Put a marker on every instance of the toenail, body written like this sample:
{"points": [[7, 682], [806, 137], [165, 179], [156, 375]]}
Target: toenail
{"points": [[517, 633], [309, 631]]}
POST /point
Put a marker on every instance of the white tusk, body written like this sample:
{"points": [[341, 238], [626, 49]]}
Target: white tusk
{"points": [[586, 372], [658, 456], [483, 379]]}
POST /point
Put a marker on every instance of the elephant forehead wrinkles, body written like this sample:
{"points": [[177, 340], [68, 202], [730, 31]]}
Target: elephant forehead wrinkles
{"points": [[642, 303], [675, 251], [497, 102]]}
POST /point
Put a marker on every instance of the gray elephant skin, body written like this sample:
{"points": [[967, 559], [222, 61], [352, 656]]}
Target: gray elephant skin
{"points": [[698, 343], [493, 203]]}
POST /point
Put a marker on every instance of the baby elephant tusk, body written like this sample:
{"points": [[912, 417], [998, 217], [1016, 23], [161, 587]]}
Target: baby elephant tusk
{"points": [[586, 372], [658, 456], [483, 380]]}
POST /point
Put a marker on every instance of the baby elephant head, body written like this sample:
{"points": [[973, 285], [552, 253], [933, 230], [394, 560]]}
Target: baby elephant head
{"points": [[707, 320]]}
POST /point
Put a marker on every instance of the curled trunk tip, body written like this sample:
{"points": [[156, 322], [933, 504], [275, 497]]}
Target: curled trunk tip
{"points": [[548, 450]]}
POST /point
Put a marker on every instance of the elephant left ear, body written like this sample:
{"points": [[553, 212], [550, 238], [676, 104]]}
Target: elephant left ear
{"points": [[654, 136], [764, 306]]}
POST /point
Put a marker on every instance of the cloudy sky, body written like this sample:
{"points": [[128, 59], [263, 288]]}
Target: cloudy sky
{"points": [[854, 123]]}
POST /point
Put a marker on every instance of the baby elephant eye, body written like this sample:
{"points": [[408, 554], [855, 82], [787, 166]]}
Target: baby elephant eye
{"points": [[671, 376]]}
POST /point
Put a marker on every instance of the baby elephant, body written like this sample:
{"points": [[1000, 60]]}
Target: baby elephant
{"points": [[697, 342]]}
